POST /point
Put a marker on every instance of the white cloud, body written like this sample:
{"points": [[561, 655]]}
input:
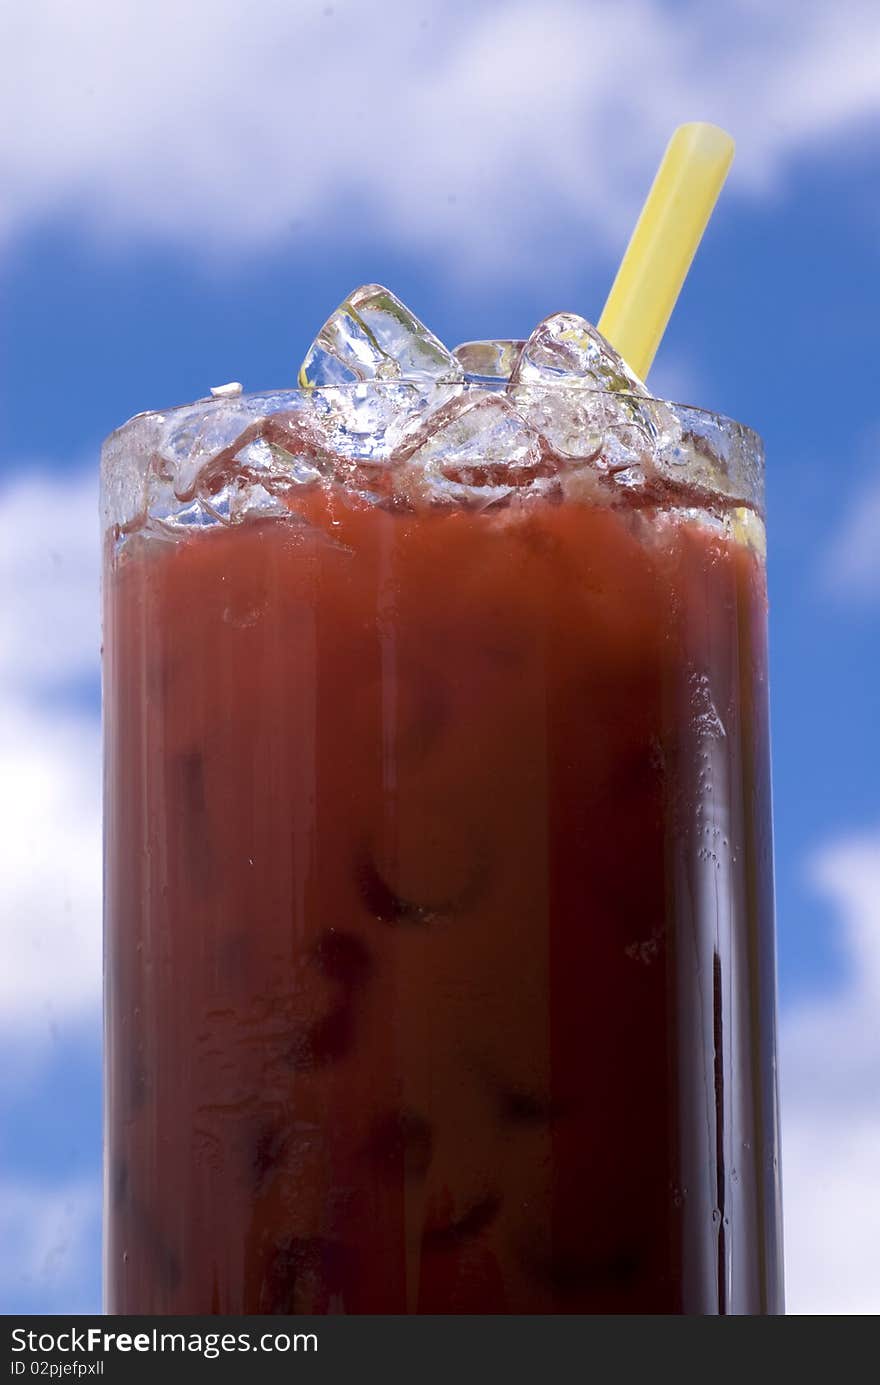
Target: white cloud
{"points": [[831, 1105], [50, 885], [469, 130], [50, 815], [852, 561], [49, 1233], [49, 557]]}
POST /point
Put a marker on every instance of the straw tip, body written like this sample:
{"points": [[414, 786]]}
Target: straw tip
{"points": [[705, 135]]}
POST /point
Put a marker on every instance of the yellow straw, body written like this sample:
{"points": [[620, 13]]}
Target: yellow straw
{"points": [[665, 241]]}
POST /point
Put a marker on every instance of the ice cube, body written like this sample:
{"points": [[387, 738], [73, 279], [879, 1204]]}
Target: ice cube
{"points": [[481, 452], [195, 436], [380, 375], [125, 460], [241, 498], [369, 422], [567, 349], [488, 360], [582, 396], [373, 336], [278, 462], [169, 516]]}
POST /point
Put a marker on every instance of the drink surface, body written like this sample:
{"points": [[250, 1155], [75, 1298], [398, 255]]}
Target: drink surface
{"points": [[439, 914]]}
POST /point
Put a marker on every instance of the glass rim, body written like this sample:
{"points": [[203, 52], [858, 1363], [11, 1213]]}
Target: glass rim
{"points": [[485, 385]]}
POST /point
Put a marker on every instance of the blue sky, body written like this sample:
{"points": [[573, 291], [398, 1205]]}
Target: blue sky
{"points": [[188, 197]]}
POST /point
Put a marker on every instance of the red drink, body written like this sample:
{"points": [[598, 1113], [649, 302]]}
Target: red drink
{"points": [[439, 912]]}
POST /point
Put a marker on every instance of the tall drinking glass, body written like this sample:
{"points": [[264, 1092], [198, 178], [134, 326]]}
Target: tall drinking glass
{"points": [[439, 912]]}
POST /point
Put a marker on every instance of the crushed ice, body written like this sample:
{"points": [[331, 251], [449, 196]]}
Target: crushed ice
{"points": [[384, 408]]}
